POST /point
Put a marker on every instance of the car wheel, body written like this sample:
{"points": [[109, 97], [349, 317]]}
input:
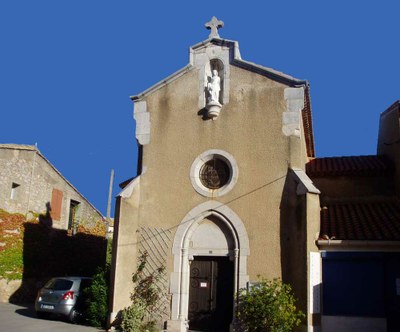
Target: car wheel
{"points": [[74, 316]]}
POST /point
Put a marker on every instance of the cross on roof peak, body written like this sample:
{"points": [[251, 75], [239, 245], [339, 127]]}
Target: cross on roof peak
{"points": [[214, 25]]}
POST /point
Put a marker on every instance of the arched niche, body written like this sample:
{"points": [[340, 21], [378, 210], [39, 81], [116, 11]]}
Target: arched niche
{"points": [[218, 65], [211, 236]]}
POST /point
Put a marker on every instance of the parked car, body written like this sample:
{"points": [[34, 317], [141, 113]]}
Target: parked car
{"points": [[62, 296]]}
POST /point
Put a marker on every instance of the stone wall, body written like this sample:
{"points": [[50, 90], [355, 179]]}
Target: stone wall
{"points": [[27, 180], [7, 288]]}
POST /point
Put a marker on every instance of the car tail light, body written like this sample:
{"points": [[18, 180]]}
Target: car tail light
{"points": [[68, 295]]}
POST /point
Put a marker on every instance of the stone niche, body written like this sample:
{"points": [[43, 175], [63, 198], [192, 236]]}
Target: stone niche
{"points": [[209, 57], [214, 87]]}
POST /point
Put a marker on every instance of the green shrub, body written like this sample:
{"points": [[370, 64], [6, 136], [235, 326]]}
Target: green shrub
{"points": [[144, 299], [132, 317], [268, 306], [97, 298]]}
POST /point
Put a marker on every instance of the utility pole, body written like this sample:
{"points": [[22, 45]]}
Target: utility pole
{"points": [[31, 180], [109, 198]]}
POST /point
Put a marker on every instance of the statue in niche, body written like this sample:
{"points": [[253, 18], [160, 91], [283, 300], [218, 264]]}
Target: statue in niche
{"points": [[214, 87]]}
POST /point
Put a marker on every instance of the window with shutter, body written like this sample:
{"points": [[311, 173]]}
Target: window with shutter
{"points": [[56, 204]]}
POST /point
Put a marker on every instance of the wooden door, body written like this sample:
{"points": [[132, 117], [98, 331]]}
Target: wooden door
{"points": [[210, 294]]}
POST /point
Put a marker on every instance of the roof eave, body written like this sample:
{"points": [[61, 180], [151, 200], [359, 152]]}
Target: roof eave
{"points": [[270, 73], [236, 60], [162, 83], [358, 245]]}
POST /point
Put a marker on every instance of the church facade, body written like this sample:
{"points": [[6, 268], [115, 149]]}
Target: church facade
{"points": [[224, 194]]}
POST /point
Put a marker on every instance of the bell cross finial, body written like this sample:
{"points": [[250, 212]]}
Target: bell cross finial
{"points": [[214, 25]]}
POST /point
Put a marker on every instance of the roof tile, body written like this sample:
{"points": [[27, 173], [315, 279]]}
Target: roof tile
{"points": [[373, 220], [352, 165]]}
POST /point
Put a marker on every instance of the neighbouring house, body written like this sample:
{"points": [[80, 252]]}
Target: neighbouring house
{"points": [[31, 185], [110, 228], [228, 188], [359, 237]]}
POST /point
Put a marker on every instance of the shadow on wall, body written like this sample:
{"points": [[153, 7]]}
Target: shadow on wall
{"points": [[293, 239], [50, 252], [45, 219]]}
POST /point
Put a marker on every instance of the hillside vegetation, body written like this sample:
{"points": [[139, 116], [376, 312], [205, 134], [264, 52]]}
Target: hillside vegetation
{"points": [[11, 245], [34, 252]]}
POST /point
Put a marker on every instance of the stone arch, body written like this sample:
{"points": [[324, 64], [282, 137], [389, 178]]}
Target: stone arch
{"points": [[237, 248]]}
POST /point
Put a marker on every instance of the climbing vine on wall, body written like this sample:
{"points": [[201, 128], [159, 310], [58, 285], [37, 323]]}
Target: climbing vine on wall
{"points": [[145, 296]]}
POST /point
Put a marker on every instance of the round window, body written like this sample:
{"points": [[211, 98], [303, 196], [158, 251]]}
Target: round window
{"points": [[214, 173]]}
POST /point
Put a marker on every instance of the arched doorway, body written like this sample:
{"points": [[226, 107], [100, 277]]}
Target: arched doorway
{"points": [[210, 265], [211, 272]]}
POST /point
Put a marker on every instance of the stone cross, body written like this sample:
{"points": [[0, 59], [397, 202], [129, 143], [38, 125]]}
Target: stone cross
{"points": [[214, 25]]}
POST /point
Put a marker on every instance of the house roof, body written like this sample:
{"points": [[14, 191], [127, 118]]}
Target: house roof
{"points": [[394, 106], [376, 219], [352, 165]]}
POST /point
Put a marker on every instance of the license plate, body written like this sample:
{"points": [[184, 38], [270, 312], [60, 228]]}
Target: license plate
{"points": [[46, 306]]}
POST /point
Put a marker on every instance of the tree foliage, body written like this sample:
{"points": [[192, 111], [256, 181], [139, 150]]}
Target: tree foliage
{"points": [[268, 306]]}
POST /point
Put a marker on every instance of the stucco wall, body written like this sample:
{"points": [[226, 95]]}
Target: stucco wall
{"points": [[124, 254], [249, 128]]}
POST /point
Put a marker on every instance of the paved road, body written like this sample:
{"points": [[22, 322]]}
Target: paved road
{"points": [[23, 319]]}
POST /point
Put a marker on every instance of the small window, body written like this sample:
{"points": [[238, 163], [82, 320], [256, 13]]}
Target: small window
{"points": [[73, 209], [15, 189]]}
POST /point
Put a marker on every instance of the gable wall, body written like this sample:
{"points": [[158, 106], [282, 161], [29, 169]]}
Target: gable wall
{"points": [[37, 179]]}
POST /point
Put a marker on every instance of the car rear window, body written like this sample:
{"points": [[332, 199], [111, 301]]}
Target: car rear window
{"points": [[59, 284]]}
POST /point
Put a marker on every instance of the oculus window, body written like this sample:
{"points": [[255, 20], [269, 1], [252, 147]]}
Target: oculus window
{"points": [[214, 173]]}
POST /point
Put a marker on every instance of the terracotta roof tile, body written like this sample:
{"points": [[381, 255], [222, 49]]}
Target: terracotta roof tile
{"points": [[307, 123], [354, 165], [377, 220]]}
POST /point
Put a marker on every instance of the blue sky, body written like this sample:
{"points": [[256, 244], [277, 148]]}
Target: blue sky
{"points": [[67, 69]]}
